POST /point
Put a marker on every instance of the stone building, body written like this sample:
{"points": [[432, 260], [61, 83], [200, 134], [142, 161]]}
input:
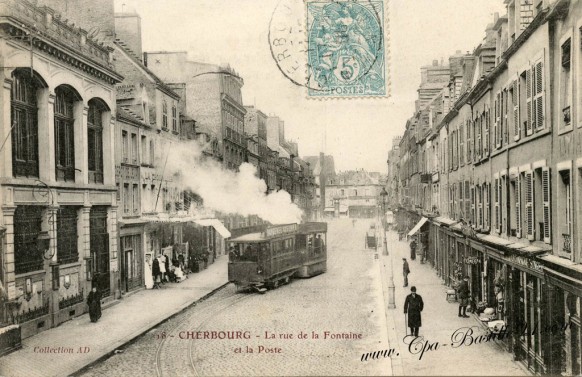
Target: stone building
{"points": [[353, 194], [507, 211], [58, 208], [212, 95]]}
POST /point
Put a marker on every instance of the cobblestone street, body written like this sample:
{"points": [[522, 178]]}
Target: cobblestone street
{"points": [[346, 299]]}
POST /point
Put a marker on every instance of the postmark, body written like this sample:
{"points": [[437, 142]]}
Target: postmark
{"points": [[334, 48]]}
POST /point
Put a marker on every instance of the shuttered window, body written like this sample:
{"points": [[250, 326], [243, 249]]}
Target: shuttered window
{"points": [[486, 140], [486, 207], [546, 188], [496, 192], [515, 103], [496, 124], [518, 207], [530, 119], [529, 205], [67, 251], [538, 95]]}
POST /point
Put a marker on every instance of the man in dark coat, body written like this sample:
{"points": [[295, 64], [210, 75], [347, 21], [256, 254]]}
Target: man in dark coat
{"points": [[405, 271], [156, 272], [413, 250], [413, 305], [463, 294], [94, 302]]}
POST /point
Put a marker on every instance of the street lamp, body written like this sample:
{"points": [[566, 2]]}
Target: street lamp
{"points": [[391, 287]]}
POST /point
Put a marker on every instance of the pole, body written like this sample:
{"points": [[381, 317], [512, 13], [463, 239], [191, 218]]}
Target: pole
{"points": [[391, 287]]}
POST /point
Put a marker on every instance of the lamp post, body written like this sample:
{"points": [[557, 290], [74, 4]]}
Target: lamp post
{"points": [[391, 287]]}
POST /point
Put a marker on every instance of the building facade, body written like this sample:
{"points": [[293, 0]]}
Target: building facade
{"points": [[353, 194], [506, 209], [58, 210]]}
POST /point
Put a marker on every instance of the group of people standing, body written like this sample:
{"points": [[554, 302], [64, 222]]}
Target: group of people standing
{"points": [[160, 271]]}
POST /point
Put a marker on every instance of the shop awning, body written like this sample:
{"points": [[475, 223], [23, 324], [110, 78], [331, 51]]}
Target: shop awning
{"points": [[417, 226], [216, 224]]}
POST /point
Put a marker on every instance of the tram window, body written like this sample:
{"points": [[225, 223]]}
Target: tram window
{"points": [[310, 242], [319, 244], [301, 242]]}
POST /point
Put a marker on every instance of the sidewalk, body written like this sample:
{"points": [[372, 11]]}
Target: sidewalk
{"points": [[439, 322], [119, 324]]}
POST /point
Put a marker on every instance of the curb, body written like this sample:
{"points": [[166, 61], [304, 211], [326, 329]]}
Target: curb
{"points": [[133, 338]]}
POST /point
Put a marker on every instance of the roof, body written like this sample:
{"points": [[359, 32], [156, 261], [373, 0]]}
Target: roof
{"points": [[135, 60], [125, 113]]}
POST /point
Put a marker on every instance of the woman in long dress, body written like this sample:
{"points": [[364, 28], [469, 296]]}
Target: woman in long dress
{"points": [[149, 278], [94, 302]]}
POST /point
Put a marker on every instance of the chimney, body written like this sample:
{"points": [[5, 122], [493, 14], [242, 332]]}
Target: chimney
{"points": [[128, 30]]}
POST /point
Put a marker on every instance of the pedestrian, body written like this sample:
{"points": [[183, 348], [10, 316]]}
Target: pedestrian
{"points": [[413, 305], [463, 294], [413, 249], [156, 272], [94, 302], [405, 271]]}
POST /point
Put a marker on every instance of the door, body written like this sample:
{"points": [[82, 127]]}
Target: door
{"points": [[99, 244], [131, 273]]}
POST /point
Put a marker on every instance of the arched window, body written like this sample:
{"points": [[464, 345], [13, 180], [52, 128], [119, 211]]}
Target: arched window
{"points": [[65, 99], [95, 140], [25, 123], [164, 115]]}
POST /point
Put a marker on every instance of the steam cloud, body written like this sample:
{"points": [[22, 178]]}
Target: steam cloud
{"points": [[227, 191]]}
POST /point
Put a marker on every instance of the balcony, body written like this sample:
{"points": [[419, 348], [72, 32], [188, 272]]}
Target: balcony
{"points": [[566, 243]]}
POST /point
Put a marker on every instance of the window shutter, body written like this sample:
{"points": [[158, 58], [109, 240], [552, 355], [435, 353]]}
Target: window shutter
{"points": [[496, 203], [539, 96], [486, 208], [518, 207], [505, 128], [546, 187], [529, 209], [530, 118], [496, 125], [515, 101], [479, 206], [486, 135], [473, 205]]}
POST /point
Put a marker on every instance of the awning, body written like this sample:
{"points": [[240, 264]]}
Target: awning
{"points": [[216, 224], [417, 226]]}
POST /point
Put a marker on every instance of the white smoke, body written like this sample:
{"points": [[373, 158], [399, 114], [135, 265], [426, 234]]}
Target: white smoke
{"points": [[226, 191]]}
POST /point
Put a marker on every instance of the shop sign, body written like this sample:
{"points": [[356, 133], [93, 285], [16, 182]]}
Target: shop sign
{"points": [[472, 260], [526, 262], [279, 230]]}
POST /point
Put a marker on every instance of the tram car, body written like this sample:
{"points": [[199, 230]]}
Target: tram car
{"points": [[264, 260]]}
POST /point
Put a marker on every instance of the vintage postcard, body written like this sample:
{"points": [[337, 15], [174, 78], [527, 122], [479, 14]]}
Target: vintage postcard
{"points": [[290, 188]]}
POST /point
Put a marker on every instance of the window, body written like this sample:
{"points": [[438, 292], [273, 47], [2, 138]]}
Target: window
{"points": [[67, 251], [64, 133], [529, 205], [565, 212], [126, 199], [144, 145], [486, 140], [174, 118], [497, 122], [27, 226], [152, 153], [537, 92], [95, 140], [134, 153], [25, 123], [514, 94], [566, 86], [164, 115], [546, 203], [135, 196]]}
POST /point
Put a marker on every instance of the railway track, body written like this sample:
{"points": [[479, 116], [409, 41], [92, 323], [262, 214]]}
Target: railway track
{"points": [[167, 366]]}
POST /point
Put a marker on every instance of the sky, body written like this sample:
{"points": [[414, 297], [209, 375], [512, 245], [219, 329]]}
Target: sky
{"points": [[356, 132]]}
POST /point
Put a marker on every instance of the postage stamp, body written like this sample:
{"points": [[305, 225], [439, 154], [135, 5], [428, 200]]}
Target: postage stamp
{"points": [[345, 48]]}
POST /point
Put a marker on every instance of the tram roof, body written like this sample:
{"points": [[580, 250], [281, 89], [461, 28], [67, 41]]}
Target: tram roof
{"points": [[251, 237]]}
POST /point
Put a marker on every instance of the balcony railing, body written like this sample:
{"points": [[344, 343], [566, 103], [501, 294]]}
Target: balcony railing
{"points": [[567, 243]]}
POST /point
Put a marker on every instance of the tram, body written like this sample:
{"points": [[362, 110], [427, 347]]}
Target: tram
{"points": [[267, 259]]}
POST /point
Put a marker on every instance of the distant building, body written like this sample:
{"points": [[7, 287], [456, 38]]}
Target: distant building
{"points": [[211, 94], [353, 194]]}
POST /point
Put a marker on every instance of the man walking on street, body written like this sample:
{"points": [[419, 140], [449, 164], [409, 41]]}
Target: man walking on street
{"points": [[413, 305], [405, 271], [464, 297]]}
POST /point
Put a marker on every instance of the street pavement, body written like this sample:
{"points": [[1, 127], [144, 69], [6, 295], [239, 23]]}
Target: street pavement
{"points": [[347, 299], [439, 322], [120, 323]]}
